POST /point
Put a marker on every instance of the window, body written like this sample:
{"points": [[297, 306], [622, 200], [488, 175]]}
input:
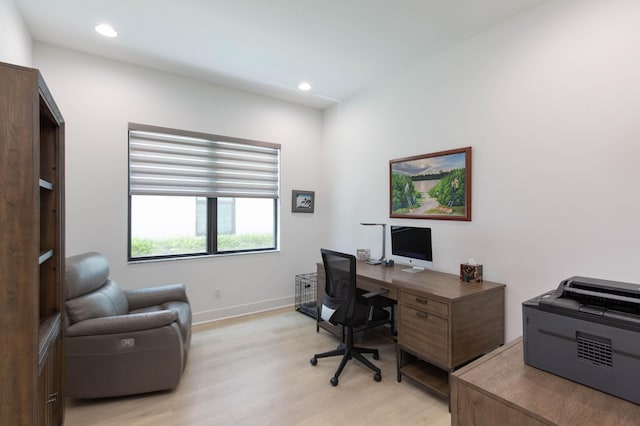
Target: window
{"points": [[195, 194]]}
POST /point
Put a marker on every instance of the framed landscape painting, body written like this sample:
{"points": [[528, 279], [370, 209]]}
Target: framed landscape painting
{"points": [[432, 186]]}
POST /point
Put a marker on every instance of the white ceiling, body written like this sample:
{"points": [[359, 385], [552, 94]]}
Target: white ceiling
{"points": [[269, 46]]}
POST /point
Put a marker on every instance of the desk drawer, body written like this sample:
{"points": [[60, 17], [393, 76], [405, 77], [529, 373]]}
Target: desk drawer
{"points": [[424, 333], [424, 304], [369, 286]]}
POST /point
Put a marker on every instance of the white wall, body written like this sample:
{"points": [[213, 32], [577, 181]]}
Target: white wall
{"points": [[98, 98], [15, 41], [550, 103]]}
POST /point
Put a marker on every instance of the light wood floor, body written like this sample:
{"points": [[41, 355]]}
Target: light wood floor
{"points": [[255, 370]]}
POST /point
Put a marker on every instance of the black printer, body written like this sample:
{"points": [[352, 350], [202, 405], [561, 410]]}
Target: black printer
{"points": [[588, 331]]}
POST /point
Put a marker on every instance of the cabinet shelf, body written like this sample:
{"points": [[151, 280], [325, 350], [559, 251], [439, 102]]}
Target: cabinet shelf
{"points": [[49, 331], [427, 375], [44, 256], [44, 184]]}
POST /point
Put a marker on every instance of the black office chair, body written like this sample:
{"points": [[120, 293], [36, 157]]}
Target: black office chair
{"points": [[343, 305]]}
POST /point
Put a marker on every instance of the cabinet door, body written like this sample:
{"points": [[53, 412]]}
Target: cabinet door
{"points": [[424, 333], [50, 399]]}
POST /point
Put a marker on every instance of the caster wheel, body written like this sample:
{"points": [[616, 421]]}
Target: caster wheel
{"points": [[313, 361], [377, 377], [334, 381], [376, 356]]}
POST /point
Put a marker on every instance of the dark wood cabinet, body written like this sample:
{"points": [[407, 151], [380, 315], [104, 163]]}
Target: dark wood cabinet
{"points": [[31, 250]]}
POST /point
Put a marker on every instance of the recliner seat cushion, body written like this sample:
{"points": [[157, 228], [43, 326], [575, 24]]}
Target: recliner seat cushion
{"points": [[107, 301]]}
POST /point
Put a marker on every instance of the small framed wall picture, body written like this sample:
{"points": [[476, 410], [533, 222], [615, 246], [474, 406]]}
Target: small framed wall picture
{"points": [[302, 201]]}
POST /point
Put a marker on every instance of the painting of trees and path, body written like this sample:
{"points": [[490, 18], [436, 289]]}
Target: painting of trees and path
{"points": [[432, 186]]}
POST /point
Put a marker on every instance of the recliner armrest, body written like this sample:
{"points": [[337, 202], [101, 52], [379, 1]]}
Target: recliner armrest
{"points": [[144, 297], [122, 323]]}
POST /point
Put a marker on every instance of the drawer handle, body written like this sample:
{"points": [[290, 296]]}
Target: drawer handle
{"points": [[52, 398], [421, 300], [422, 314]]}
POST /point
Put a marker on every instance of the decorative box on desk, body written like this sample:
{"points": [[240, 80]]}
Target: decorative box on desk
{"points": [[470, 273]]}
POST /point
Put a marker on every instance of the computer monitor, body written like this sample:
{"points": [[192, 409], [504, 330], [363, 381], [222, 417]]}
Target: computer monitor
{"points": [[412, 246]]}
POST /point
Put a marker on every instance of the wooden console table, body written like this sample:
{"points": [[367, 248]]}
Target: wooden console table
{"points": [[500, 389], [443, 322]]}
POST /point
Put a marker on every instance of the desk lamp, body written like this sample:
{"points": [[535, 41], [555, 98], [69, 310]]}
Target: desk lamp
{"points": [[384, 240]]}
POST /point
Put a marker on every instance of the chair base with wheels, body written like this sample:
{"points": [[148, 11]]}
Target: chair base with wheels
{"points": [[349, 351]]}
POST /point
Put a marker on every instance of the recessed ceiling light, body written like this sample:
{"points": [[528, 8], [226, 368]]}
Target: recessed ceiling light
{"points": [[106, 30], [304, 86]]}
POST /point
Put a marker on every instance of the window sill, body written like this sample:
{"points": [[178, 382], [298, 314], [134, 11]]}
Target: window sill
{"points": [[200, 256]]}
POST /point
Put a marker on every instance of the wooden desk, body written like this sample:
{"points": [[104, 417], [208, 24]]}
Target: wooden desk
{"points": [[443, 322], [500, 389]]}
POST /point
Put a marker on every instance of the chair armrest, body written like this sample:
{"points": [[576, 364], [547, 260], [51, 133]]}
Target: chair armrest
{"points": [[122, 323], [371, 299], [372, 294], [144, 297]]}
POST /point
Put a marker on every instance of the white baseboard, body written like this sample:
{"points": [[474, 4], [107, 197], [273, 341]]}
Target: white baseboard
{"points": [[240, 310]]}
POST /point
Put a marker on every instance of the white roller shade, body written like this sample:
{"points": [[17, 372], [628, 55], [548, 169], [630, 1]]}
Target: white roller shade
{"points": [[169, 164]]}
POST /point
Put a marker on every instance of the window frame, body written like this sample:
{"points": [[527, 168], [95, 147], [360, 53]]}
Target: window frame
{"points": [[211, 201]]}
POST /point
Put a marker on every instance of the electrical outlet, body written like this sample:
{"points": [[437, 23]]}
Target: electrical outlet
{"points": [[217, 294]]}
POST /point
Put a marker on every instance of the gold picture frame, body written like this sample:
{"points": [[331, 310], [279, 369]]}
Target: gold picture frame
{"points": [[431, 186]]}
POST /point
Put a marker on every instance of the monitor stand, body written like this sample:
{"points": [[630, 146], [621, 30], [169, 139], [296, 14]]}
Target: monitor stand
{"points": [[414, 269]]}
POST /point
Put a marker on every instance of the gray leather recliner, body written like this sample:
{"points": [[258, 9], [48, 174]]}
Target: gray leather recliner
{"points": [[121, 342]]}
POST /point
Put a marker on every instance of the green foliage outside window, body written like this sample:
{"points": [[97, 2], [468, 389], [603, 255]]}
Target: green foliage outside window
{"points": [[245, 242], [146, 247]]}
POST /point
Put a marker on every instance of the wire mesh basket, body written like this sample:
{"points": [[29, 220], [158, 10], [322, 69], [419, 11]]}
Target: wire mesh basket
{"points": [[306, 291]]}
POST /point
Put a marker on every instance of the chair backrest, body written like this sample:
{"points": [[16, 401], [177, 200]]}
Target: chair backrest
{"points": [[85, 273], [89, 293], [339, 299]]}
